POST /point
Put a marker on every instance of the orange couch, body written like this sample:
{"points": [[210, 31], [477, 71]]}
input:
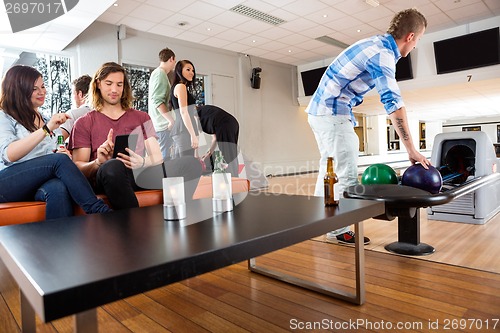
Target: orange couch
{"points": [[34, 211]]}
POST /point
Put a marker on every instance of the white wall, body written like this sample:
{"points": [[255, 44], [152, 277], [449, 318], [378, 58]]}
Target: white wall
{"points": [[432, 128], [93, 47], [376, 135], [488, 125]]}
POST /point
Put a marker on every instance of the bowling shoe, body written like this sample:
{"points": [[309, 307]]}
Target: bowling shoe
{"points": [[347, 238]]}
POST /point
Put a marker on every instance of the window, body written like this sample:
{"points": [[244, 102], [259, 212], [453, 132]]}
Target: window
{"points": [[55, 71], [471, 128], [139, 82], [198, 91]]}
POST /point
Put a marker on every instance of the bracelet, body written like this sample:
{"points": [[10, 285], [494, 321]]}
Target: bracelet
{"points": [[47, 131], [143, 162]]}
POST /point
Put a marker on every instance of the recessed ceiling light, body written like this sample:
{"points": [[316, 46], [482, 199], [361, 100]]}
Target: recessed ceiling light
{"points": [[253, 41], [115, 4], [331, 41], [208, 29], [289, 51], [325, 16], [373, 3], [359, 30], [182, 23]]}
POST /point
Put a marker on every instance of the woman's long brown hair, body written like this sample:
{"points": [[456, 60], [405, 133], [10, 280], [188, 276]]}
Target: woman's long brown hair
{"points": [[15, 98], [179, 78]]}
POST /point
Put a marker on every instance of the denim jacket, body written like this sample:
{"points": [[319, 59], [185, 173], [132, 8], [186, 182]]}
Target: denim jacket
{"points": [[11, 130]]}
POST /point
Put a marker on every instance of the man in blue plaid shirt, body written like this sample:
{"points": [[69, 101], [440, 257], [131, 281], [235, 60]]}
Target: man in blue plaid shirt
{"points": [[367, 64]]}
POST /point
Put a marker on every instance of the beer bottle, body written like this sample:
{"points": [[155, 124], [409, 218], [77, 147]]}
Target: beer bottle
{"points": [[331, 185], [60, 142], [220, 164]]}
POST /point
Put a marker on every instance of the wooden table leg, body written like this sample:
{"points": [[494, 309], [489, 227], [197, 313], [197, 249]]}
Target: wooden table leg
{"points": [[85, 322]]}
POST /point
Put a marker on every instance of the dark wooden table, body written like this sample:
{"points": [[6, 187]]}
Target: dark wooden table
{"points": [[71, 266]]}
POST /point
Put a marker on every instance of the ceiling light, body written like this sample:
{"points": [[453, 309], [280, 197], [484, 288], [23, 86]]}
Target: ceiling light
{"points": [[257, 14], [373, 3], [115, 4], [332, 41]]}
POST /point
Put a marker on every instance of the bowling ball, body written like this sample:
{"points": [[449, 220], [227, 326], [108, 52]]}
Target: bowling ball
{"points": [[428, 180], [379, 174]]}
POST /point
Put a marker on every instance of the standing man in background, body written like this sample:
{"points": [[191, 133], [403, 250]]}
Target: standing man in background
{"points": [[159, 95], [367, 64], [80, 91]]}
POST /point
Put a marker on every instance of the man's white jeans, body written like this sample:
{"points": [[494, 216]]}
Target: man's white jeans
{"points": [[335, 137]]}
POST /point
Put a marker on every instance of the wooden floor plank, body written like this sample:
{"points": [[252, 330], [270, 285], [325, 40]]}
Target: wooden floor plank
{"points": [[162, 312], [7, 322]]}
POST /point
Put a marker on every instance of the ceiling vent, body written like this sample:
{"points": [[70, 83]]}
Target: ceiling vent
{"points": [[257, 14], [332, 41]]}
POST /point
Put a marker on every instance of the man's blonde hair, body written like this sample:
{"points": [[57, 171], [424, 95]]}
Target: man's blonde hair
{"points": [[406, 21]]}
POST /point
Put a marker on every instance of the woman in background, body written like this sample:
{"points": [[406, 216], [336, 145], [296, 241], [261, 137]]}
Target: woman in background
{"points": [[224, 129], [185, 130], [29, 169]]}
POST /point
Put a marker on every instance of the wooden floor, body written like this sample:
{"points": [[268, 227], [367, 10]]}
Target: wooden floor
{"points": [[403, 294], [461, 244]]}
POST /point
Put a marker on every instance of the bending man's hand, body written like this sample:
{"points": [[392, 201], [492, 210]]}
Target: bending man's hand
{"points": [[416, 157]]}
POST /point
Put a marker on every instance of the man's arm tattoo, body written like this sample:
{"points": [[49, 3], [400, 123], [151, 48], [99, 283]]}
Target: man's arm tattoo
{"points": [[404, 134]]}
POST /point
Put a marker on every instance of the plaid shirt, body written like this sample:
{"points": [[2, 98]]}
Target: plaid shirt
{"points": [[368, 63]]}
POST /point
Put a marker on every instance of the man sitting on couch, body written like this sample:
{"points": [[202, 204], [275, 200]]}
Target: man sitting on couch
{"points": [[93, 142]]}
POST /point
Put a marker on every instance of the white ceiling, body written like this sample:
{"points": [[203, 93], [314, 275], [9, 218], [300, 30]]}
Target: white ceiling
{"points": [[212, 23], [293, 42]]}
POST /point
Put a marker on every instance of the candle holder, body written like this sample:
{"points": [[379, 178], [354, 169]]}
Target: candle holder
{"points": [[174, 203], [222, 200]]}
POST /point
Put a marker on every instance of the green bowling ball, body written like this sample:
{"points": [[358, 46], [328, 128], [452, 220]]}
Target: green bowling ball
{"points": [[379, 174]]}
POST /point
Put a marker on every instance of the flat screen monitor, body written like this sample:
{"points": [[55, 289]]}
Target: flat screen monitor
{"points": [[310, 80], [404, 70], [478, 49]]}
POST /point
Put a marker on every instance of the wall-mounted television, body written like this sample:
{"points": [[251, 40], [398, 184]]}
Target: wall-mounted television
{"points": [[478, 49], [310, 80], [404, 70]]}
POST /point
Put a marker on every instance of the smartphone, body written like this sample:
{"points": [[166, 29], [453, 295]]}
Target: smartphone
{"points": [[124, 141]]}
